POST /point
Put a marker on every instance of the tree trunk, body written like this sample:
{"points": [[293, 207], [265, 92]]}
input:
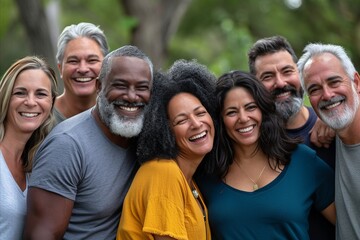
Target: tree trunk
{"points": [[158, 21], [33, 17]]}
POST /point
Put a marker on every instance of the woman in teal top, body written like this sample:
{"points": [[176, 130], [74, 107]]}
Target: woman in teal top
{"points": [[266, 183]]}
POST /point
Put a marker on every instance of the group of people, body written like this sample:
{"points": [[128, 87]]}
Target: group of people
{"points": [[140, 153]]}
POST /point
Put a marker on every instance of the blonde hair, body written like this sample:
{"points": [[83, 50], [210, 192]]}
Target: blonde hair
{"points": [[6, 86]]}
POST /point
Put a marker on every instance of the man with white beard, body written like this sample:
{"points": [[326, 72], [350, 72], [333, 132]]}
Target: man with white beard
{"points": [[273, 61], [333, 85], [84, 168]]}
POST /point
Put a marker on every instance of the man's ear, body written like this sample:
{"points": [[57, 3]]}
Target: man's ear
{"points": [[98, 85], [357, 82], [59, 67]]}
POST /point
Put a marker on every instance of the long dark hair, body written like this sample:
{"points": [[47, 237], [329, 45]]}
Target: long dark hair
{"points": [[273, 140]]}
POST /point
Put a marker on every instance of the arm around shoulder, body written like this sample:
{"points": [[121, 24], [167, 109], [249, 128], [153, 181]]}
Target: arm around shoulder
{"points": [[48, 215]]}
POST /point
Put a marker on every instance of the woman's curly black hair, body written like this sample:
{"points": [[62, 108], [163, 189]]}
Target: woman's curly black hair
{"points": [[157, 140], [273, 140]]}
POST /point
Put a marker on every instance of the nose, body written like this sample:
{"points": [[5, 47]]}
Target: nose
{"points": [[83, 67], [131, 95], [30, 100], [279, 81], [243, 117], [327, 93], [195, 122]]}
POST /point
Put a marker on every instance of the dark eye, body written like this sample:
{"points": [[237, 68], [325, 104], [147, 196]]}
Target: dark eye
{"points": [[42, 94], [143, 88], [94, 60], [202, 113], [266, 78], [313, 91], [180, 121], [120, 86], [19, 93], [252, 107], [230, 113], [334, 83], [72, 61]]}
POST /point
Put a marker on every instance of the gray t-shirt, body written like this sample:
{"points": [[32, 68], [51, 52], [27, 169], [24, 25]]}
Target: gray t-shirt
{"points": [[59, 117], [79, 162], [347, 191]]}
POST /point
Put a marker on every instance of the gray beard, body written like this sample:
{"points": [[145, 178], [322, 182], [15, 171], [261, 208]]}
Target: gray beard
{"points": [[341, 120], [118, 124], [288, 108]]}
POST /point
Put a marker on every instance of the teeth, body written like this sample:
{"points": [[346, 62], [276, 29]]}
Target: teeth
{"points": [[244, 130], [129, 109], [198, 136], [283, 94], [332, 105], [83, 79], [29, 114]]}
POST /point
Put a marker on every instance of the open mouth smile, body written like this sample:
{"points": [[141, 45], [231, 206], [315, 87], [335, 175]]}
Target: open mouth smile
{"points": [[198, 136]]}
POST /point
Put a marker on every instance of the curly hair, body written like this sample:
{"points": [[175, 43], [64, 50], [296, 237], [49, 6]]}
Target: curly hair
{"points": [[6, 87], [273, 140], [157, 139]]}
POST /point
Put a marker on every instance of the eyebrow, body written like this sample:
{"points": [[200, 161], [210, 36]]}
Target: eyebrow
{"points": [[37, 89]]}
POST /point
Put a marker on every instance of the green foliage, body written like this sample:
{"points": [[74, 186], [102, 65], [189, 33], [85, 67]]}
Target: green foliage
{"points": [[107, 14], [217, 33]]}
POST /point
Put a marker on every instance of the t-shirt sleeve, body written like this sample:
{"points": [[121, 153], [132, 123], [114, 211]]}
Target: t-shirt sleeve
{"points": [[57, 166], [165, 217], [164, 212]]}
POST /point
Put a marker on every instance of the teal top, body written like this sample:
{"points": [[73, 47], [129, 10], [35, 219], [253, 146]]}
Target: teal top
{"points": [[278, 210]]}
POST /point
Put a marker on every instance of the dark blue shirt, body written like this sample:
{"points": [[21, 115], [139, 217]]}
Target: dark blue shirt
{"points": [[320, 228]]}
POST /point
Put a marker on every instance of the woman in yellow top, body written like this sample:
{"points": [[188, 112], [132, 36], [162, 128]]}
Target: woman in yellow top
{"points": [[163, 201]]}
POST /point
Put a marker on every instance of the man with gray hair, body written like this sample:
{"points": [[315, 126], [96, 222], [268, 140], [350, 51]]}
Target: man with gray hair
{"points": [[80, 51], [83, 169], [333, 85]]}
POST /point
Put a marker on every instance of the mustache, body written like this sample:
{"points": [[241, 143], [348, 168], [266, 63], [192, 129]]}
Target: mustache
{"points": [[322, 104], [127, 104], [287, 88]]}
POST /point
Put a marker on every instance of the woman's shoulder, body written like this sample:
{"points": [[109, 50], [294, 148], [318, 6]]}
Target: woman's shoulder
{"points": [[304, 150], [163, 168]]}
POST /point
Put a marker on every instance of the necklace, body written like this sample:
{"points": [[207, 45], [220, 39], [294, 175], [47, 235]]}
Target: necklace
{"points": [[195, 193], [255, 185]]}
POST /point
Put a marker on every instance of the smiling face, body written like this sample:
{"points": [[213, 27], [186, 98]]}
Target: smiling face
{"points": [[278, 72], [81, 66], [30, 102], [191, 124], [242, 117], [332, 94], [124, 95]]}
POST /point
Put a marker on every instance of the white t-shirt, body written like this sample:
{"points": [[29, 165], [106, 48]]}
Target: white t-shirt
{"points": [[12, 204]]}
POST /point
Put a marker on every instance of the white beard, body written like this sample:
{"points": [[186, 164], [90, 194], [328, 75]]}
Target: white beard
{"points": [[341, 120], [118, 124]]}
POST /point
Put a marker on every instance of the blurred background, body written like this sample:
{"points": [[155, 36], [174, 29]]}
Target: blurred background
{"points": [[218, 33]]}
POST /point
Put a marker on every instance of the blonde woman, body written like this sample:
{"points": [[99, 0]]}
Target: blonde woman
{"points": [[27, 94]]}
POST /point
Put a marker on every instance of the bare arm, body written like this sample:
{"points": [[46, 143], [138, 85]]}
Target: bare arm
{"points": [[329, 213], [48, 215], [321, 134]]}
